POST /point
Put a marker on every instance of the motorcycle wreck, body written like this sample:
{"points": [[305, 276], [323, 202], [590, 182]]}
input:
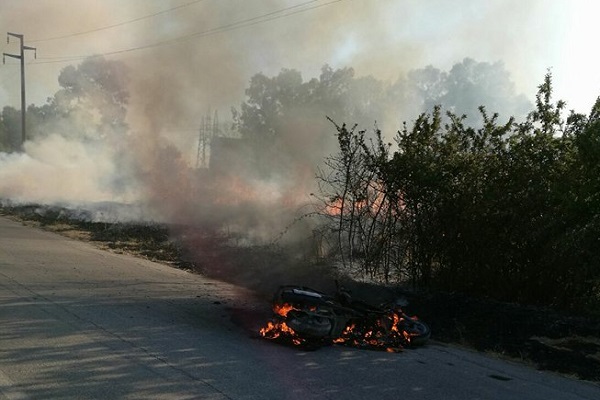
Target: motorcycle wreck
{"points": [[308, 318]]}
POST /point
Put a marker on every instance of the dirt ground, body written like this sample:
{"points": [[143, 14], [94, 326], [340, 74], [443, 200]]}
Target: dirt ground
{"points": [[543, 338]]}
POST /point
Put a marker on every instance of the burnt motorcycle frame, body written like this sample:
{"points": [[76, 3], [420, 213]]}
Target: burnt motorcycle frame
{"points": [[318, 319]]}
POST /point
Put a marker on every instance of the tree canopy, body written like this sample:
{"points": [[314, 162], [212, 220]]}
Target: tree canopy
{"points": [[91, 103], [284, 117], [508, 210]]}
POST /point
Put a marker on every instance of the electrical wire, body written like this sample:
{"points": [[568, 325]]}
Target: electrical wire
{"points": [[115, 25], [282, 13]]}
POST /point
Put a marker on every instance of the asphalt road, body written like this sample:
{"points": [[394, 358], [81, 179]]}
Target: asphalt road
{"points": [[82, 323]]}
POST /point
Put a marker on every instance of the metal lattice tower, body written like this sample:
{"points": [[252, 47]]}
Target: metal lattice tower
{"points": [[209, 128]]}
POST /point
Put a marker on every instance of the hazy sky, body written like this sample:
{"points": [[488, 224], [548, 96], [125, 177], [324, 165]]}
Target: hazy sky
{"points": [[196, 54]]}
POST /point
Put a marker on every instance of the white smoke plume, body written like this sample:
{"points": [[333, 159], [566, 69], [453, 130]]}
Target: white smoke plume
{"points": [[186, 57]]}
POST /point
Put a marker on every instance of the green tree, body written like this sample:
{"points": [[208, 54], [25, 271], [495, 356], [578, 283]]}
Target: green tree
{"points": [[284, 118], [91, 102], [508, 210], [10, 129], [468, 85]]}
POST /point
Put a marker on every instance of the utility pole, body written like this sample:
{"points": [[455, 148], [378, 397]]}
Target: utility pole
{"points": [[21, 57]]}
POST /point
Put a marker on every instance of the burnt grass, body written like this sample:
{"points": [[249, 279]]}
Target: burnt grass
{"points": [[543, 338]]}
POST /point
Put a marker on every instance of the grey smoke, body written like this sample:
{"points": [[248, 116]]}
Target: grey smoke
{"points": [[171, 86]]}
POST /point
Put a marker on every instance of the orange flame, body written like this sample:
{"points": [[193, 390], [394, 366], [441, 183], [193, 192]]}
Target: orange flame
{"points": [[387, 335], [275, 330], [282, 309]]}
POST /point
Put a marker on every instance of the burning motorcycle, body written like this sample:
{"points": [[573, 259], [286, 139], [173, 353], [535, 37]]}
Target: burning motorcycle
{"points": [[306, 317]]}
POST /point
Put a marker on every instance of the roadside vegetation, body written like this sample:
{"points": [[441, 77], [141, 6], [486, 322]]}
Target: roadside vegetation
{"points": [[502, 209], [508, 211]]}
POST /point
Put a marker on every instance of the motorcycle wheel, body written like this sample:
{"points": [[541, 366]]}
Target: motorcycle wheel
{"points": [[309, 325], [419, 333]]}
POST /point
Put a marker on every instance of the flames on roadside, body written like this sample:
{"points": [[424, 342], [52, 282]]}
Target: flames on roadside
{"points": [[279, 329], [387, 334]]}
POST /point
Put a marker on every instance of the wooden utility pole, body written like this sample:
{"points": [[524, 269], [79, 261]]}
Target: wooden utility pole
{"points": [[20, 56]]}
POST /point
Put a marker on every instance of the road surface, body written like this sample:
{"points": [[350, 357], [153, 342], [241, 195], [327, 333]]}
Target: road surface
{"points": [[81, 323]]}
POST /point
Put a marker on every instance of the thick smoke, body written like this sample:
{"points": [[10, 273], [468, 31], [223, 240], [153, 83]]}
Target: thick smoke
{"points": [[202, 56], [199, 68], [58, 169]]}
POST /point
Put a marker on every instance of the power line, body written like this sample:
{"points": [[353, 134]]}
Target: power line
{"points": [[117, 24], [282, 13], [234, 25]]}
